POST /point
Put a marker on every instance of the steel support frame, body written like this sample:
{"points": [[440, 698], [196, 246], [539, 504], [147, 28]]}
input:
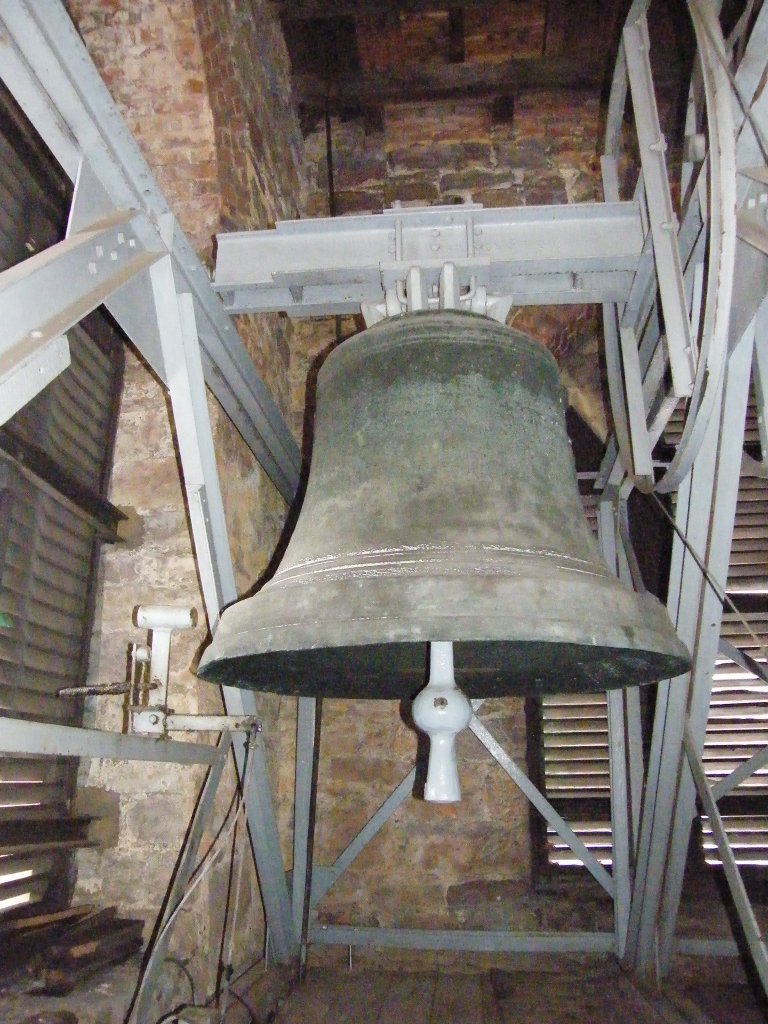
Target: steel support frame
{"points": [[583, 252], [183, 332], [752, 931], [705, 512], [625, 744], [323, 877], [469, 941], [21, 736], [176, 328], [43, 47]]}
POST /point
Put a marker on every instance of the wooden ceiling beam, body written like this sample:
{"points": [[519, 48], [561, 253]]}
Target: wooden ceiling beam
{"points": [[301, 10], [451, 82], [456, 47]]}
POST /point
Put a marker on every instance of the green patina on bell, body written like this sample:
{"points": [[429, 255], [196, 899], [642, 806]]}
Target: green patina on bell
{"points": [[442, 504]]}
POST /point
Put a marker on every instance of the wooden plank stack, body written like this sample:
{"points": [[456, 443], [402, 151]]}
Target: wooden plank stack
{"points": [[62, 949]]}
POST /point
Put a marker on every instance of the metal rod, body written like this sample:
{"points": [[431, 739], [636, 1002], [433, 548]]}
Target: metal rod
{"points": [[540, 802], [740, 774], [325, 878], [741, 902]]}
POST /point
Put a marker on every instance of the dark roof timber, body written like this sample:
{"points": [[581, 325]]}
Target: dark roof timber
{"points": [[301, 10], [451, 82]]}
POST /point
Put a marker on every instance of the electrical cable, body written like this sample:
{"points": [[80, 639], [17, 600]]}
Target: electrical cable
{"points": [[202, 869], [232, 928], [246, 1004], [184, 970], [720, 594]]}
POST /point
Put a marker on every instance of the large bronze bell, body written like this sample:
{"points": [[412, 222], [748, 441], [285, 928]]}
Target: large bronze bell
{"points": [[442, 505]]}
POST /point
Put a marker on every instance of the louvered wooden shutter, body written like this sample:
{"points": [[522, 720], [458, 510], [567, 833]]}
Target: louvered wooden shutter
{"points": [[574, 730], [575, 727], [48, 541], [738, 717]]}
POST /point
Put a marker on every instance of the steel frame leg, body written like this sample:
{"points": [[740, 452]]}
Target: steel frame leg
{"points": [[625, 752], [302, 839], [705, 513], [186, 388]]}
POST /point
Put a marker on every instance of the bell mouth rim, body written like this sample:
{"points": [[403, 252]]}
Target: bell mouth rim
{"points": [[484, 669]]}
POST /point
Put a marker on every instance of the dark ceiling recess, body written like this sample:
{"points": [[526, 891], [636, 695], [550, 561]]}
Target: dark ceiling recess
{"points": [[355, 58]]}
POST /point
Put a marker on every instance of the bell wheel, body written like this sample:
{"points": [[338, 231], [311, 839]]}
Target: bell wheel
{"points": [[666, 347]]}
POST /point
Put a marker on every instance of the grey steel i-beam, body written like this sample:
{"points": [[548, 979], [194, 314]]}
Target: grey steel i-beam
{"points": [[20, 736], [469, 941], [574, 253], [624, 746], [186, 388]]}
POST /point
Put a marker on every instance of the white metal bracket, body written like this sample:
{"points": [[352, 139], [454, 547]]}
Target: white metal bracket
{"points": [[156, 718]]}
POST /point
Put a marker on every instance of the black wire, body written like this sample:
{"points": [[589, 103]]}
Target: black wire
{"points": [[222, 967], [247, 1006], [185, 970], [329, 148], [332, 210]]}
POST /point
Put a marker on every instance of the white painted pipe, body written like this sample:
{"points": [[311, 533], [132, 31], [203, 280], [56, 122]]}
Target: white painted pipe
{"points": [[441, 710], [162, 620], [163, 616]]}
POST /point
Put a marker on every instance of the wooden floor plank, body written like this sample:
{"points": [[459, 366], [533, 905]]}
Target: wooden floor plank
{"points": [[409, 998], [459, 998], [496, 997]]}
